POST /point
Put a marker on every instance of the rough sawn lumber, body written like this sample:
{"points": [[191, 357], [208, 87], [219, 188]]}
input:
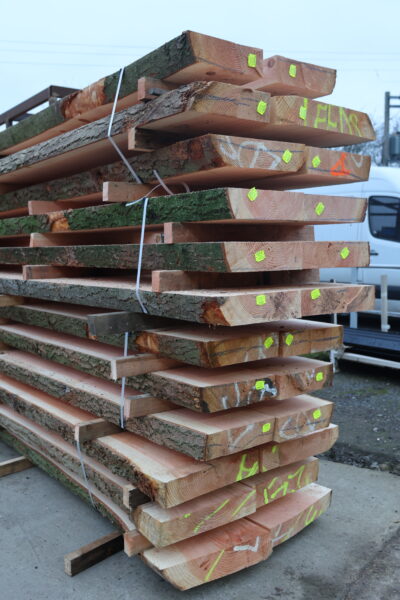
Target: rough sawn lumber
{"points": [[189, 57], [238, 205], [215, 307], [225, 257]]}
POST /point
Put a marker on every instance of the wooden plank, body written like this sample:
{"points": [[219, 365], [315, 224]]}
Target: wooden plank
{"points": [[220, 257], [289, 516], [6, 300], [119, 235], [102, 324], [133, 365], [165, 526], [223, 551], [217, 307], [135, 543], [174, 280], [226, 231], [208, 161], [296, 118], [171, 478], [202, 346], [289, 76], [185, 58], [51, 445], [93, 553], [151, 87], [204, 205], [93, 429], [42, 408], [100, 397], [205, 437], [324, 167], [41, 207], [206, 390], [49, 272], [286, 118], [14, 465], [89, 356]]}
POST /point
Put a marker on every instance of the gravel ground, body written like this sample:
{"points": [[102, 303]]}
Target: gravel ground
{"points": [[367, 410]]}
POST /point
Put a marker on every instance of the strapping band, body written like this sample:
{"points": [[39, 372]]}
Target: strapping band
{"points": [[145, 199], [78, 449]]}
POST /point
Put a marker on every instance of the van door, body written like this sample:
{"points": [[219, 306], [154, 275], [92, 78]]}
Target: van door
{"points": [[383, 220]]}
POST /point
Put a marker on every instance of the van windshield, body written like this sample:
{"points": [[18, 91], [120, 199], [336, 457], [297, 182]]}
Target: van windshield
{"points": [[384, 217]]}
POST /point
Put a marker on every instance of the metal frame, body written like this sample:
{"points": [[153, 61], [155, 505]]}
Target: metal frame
{"points": [[361, 358], [21, 111], [385, 145]]}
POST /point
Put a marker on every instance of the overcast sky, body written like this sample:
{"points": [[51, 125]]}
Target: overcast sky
{"points": [[74, 43]]}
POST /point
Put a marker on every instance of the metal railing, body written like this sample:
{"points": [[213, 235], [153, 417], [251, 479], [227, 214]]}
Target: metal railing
{"points": [[384, 312]]}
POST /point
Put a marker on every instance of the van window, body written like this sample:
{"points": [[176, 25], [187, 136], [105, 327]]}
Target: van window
{"points": [[384, 217]]}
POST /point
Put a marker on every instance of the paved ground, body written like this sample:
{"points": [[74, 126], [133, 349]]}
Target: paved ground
{"points": [[367, 410], [351, 553]]}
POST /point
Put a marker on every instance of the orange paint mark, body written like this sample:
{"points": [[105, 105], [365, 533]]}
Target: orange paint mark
{"points": [[338, 168]]}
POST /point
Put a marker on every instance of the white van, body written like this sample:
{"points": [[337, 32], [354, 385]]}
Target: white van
{"points": [[381, 228]]}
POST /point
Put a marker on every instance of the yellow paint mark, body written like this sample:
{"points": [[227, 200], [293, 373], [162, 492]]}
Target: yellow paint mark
{"points": [[287, 156], [266, 499], [354, 122], [283, 487], [252, 60], [331, 124], [320, 119], [238, 508], [187, 515], [272, 482], [259, 385], [315, 294], [316, 414], [261, 107], [344, 253], [213, 566], [266, 427], [252, 194], [310, 517], [348, 122], [319, 376], [261, 299], [214, 512], [292, 70], [268, 342], [259, 255], [289, 339], [316, 161], [274, 449], [303, 110], [246, 471], [299, 474], [319, 209]]}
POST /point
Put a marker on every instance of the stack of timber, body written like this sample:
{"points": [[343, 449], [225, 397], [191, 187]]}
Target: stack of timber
{"points": [[198, 430]]}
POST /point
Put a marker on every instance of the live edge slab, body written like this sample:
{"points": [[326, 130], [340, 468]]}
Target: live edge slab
{"points": [[215, 307]]}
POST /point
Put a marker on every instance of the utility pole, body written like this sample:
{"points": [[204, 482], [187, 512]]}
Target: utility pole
{"points": [[386, 137]]}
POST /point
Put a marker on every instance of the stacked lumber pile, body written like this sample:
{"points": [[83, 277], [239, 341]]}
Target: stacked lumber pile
{"points": [[197, 438]]}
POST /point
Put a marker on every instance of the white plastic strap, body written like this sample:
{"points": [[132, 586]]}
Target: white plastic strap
{"points": [[121, 154], [78, 449], [145, 200]]}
